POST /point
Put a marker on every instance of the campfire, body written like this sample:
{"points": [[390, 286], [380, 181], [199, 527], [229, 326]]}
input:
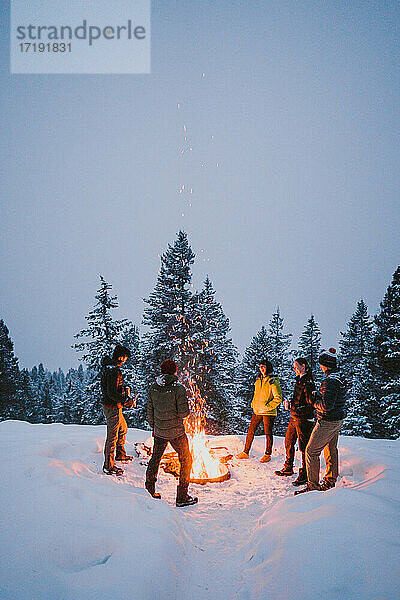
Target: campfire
{"points": [[206, 468], [209, 463]]}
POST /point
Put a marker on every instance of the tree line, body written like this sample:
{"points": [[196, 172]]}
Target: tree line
{"points": [[191, 327]]}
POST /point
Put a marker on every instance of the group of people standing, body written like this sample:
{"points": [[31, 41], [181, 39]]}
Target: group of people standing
{"points": [[313, 436], [167, 409]]}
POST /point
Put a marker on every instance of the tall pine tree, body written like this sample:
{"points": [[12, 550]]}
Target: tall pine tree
{"points": [[355, 355], [169, 313], [356, 341], [10, 383], [214, 360], [386, 361]]}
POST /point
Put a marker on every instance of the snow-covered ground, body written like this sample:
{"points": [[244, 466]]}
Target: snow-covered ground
{"points": [[68, 532]]}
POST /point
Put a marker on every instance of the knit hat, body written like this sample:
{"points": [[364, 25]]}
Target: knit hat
{"points": [[267, 363], [168, 367], [120, 351], [328, 358]]}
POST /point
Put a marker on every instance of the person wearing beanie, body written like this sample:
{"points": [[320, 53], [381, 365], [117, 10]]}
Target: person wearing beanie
{"points": [[301, 421], [115, 396], [167, 407], [330, 406], [267, 396]]}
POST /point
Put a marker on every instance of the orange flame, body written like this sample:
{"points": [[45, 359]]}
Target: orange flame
{"points": [[205, 466]]}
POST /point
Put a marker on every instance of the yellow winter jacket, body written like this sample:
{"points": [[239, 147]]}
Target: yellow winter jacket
{"points": [[267, 395]]}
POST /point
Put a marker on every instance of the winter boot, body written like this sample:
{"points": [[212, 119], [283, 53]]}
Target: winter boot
{"points": [[285, 472], [113, 471], [306, 489], [151, 488], [123, 458], [301, 479], [242, 455], [327, 484], [186, 501], [266, 458]]}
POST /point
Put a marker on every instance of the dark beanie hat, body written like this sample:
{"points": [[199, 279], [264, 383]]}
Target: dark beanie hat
{"points": [[328, 358], [168, 367], [120, 351], [268, 364]]}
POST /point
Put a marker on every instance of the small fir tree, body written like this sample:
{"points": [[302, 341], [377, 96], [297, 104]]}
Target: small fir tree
{"points": [[281, 357], [133, 376], [99, 340], [248, 371], [310, 346]]}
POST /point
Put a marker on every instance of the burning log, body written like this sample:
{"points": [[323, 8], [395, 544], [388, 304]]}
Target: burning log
{"points": [[209, 464], [206, 468]]}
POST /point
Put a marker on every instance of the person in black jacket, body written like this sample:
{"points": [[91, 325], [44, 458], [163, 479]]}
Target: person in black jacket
{"points": [[167, 407], [330, 406], [115, 396], [301, 421]]}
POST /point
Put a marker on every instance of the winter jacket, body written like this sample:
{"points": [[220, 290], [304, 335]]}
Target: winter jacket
{"points": [[267, 395], [330, 401], [112, 385], [167, 406], [301, 404]]}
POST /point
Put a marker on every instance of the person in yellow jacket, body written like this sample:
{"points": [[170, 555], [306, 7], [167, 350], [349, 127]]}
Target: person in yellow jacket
{"points": [[267, 397]]}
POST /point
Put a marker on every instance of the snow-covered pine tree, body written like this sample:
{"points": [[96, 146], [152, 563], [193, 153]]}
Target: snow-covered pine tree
{"points": [[282, 358], [60, 411], [133, 376], [248, 371], [169, 311], [28, 400], [215, 359], [360, 397], [100, 338], [356, 341], [355, 349], [9, 375], [75, 394], [38, 379], [386, 360], [310, 346]]}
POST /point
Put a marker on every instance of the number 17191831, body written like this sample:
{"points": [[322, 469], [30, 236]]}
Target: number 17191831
{"points": [[42, 47]]}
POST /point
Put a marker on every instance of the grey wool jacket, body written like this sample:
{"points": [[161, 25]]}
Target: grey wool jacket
{"points": [[167, 406]]}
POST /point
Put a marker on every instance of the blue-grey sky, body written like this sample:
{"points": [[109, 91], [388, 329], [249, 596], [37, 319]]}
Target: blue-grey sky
{"points": [[302, 211]]}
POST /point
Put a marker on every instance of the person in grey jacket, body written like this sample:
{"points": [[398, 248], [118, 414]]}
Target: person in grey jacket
{"points": [[167, 407], [330, 408]]}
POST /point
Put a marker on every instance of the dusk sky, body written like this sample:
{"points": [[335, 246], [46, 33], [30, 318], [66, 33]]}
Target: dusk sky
{"points": [[292, 113]]}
